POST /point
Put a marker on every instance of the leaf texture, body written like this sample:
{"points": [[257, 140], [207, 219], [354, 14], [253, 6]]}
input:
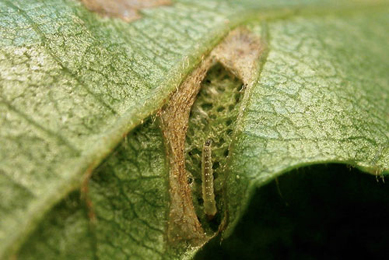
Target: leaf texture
{"points": [[74, 84]]}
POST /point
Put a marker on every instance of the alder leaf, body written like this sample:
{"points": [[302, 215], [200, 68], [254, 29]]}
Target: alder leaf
{"points": [[84, 167]]}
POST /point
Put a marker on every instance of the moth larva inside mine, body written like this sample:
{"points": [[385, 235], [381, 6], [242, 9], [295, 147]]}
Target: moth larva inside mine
{"points": [[207, 179]]}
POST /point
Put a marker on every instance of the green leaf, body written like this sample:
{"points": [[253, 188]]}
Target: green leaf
{"points": [[74, 84], [322, 96]]}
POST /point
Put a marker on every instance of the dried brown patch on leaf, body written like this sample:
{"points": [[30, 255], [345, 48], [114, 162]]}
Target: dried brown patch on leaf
{"points": [[127, 10], [183, 222], [239, 53]]}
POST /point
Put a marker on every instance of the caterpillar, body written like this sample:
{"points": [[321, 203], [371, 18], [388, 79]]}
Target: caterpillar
{"points": [[207, 180]]}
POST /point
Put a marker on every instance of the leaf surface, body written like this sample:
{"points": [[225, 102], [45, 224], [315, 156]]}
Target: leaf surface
{"points": [[74, 84], [322, 97]]}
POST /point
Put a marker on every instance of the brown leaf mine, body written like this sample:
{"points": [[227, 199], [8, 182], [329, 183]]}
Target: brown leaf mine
{"points": [[184, 224], [238, 53], [123, 9]]}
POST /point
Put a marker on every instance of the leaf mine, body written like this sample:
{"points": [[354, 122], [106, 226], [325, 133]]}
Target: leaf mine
{"points": [[237, 56]]}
